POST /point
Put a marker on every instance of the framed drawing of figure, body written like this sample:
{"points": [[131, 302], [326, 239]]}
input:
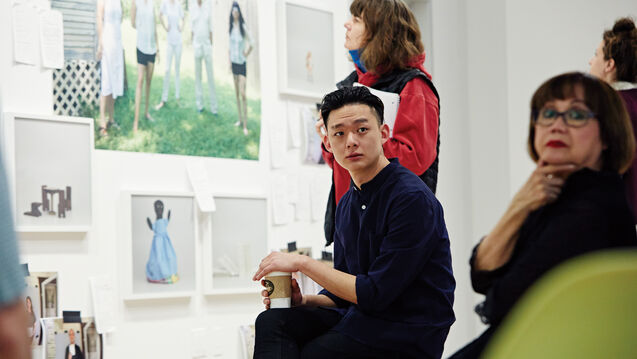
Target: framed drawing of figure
{"points": [[160, 245]]}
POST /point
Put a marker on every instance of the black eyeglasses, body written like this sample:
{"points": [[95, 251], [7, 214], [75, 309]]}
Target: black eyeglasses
{"points": [[574, 117]]}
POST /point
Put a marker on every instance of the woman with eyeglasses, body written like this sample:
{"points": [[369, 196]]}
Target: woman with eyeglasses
{"points": [[581, 139], [615, 61]]}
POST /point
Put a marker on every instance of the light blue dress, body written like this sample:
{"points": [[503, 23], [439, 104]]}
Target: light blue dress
{"points": [[162, 261]]}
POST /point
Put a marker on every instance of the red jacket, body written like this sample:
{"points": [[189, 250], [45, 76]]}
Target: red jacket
{"points": [[415, 131]]}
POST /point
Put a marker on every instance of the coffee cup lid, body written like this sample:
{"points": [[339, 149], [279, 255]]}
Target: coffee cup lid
{"points": [[279, 274]]}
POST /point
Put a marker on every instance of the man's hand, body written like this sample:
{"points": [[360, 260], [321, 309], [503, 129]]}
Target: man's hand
{"points": [[279, 262], [297, 297]]}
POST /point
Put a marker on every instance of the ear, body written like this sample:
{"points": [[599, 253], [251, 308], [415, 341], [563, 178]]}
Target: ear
{"points": [[609, 65], [384, 133], [326, 143]]}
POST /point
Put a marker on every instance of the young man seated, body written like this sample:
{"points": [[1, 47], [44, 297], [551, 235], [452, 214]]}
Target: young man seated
{"points": [[390, 293]]}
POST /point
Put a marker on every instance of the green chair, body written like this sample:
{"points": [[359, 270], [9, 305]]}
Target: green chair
{"points": [[585, 308]]}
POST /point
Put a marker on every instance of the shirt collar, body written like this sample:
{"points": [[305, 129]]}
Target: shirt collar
{"points": [[623, 85], [375, 183]]}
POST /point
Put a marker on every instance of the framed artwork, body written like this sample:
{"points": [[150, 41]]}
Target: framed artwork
{"points": [[236, 241], [49, 162], [159, 245], [71, 340], [306, 48]]}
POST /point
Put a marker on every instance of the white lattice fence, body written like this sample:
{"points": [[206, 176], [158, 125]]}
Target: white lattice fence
{"points": [[75, 86]]}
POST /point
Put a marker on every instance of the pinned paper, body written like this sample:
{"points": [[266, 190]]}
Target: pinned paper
{"points": [[25, 33], [201, 186], [280, 205], [294, 124], [52, 39], [104, 307]]}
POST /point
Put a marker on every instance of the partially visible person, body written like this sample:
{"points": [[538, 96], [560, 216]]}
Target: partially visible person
{"points": [[172, 20], [240, 48], [110, 54], [14, 339], [73, 351], [384, 42], [201, 24], [33, 322], [573, 202], [615, 61], [390, 291], [143, 19]]}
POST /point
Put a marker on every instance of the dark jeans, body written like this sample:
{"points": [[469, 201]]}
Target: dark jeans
{"points": [[305, 332]]}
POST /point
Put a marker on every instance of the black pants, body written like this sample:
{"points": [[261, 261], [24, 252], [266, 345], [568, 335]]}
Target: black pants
{"points": [[305, 332]]}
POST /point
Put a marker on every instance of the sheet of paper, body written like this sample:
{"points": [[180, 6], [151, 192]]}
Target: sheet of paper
{"points": [[52, 39], [104, 304], [293, 186], [278, 146], [294, 124], [25, 34], [201, 186], [280, 203], [390, 102], [302, 206], [318, 199]]}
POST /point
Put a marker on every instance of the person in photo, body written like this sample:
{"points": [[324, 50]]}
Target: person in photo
{"points": [[110, 54], [33, 322], [240, 48], [143, 19], [390, 292], [73, 351], [172, 20], [201, 24]]}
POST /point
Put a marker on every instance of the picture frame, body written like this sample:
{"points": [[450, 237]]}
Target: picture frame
{"points": [[232, 249], [305, 34], [49, 165], [160, 263], [57, 338]]}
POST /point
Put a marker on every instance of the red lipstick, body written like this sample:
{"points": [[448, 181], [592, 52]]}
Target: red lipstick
{"points": [[555, 144]]}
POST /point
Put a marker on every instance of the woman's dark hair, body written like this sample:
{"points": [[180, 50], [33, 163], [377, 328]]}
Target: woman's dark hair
{"points": [[620, 44], [614, 123], [241, 21], [350, 96], [392, 37]]}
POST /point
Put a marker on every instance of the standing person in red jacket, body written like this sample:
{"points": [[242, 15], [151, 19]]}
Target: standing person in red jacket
{"points": [[615, 61], [384, 41]]}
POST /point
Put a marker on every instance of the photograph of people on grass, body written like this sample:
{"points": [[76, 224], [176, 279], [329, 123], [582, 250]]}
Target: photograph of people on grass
{"points": [[154, 96]]}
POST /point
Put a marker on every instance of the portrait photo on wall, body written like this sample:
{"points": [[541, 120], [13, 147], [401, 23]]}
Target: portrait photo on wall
{"points": [[165, 76], [72, 340], [163, 244], [42, 301]]}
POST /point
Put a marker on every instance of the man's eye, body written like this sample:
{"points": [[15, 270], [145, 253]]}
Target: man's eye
{"points": [[362, 129], [338, 133]]}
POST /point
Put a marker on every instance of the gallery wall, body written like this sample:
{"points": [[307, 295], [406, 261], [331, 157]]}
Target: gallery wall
{"points": [[487, 58]]}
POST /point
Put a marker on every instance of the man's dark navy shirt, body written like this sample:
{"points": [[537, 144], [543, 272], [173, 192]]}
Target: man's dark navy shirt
{"points": [[391, 235]]}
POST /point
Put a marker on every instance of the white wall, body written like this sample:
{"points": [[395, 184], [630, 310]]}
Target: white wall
{"points": [[488, 57]]}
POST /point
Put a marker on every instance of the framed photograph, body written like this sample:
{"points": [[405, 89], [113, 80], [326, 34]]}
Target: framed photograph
{"points": [[306, 48], [72, 340], [160, 245], [49, 162], [237, 239]]}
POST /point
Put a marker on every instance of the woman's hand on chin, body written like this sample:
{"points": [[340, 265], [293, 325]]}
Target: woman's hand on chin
{"points": [[543, 186]]}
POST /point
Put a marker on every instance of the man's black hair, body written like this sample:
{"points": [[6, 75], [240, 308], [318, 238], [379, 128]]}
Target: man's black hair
{"points": [[351, 96]]}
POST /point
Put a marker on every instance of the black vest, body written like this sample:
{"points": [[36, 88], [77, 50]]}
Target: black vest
{"points": [[394, 82]]}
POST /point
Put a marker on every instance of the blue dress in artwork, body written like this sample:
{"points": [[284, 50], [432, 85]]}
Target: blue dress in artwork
{"points": [[162, 261]]}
